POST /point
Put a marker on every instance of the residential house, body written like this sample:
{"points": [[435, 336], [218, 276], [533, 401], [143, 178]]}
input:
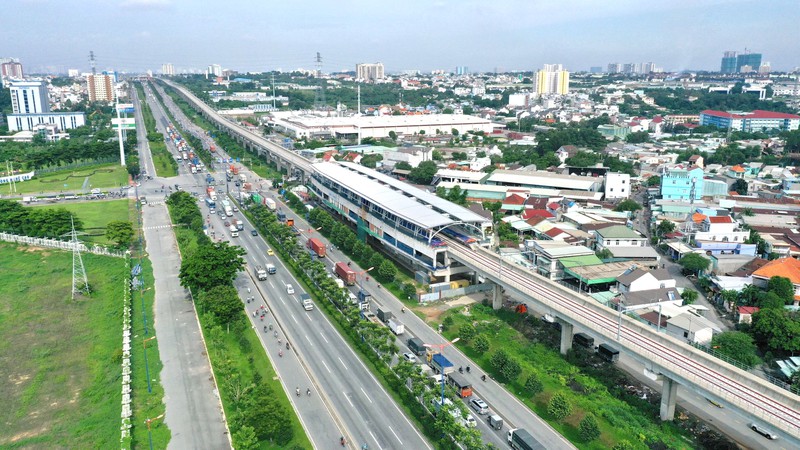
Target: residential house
{"points": [[744, 314], [783, 267], [736, 171], [696, 160], [546, 255], [625, 243], [692, 328], [682, 184], [638, 279]]}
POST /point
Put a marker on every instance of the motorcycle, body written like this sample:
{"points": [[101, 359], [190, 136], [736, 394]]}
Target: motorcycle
{"points": [[297, 391], [308, 392]]}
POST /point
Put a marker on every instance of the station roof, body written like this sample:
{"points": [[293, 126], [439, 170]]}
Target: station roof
{"points": [[400, 199]]}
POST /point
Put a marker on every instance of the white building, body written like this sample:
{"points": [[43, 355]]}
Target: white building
{"points": [[617, 185], [542, 179], [369, 72], [692, 328], [552, 79], [29, 97], [73, 73], [64, 121], [215, 70], [167, 69]]}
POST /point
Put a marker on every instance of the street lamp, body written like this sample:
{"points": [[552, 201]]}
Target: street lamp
{"points": [[361, 280], [148, 421], [441, 349], [146, 366]]}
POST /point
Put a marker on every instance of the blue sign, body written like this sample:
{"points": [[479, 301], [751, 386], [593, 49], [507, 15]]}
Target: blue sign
{"points": [[237, 159]]}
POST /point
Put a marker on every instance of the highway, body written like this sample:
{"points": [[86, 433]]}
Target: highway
{"points": [[346, 399]]}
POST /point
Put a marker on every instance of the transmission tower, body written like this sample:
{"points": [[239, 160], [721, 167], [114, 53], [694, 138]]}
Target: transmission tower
{"points": [[92, 62], [80, 285], [319, 97]]}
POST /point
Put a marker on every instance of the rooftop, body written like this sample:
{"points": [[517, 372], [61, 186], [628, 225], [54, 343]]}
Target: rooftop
{"points": [[541, 178], [783, 267], [757, 114], [618, 232]]}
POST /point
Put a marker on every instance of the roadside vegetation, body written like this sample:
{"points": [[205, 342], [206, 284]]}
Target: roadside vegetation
{"points": [[61, 358], [104, 176], [258, 411], [94, 218], [164, 162]]}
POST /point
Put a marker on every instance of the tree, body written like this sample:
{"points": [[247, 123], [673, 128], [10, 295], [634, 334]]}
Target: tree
{"points": [[653, 181], [245, 438], [436, 155], [740, 186], [782, 287], [402, 165], [694, 263], [638, 137], [623, 445], [589, 429], [533, 384], [628, 205], [481, 343], [466, 332], [387, 271], [665, 227], [410, 291], [393, 136], [454, 131], [738, 346], [423, 173], [120, 232], [776, 329], [211, 265], [604, 254], [689, 296], [559, 406], [223, 302]]}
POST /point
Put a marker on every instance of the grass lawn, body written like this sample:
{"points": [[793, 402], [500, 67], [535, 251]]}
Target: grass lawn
{"points": [[631, 419], [165, 163], [102, 177], [60, 359], [96, 214]]}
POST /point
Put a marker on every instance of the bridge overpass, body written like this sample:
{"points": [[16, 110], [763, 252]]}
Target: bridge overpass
{"points": [[294, 164], [674, 361]]}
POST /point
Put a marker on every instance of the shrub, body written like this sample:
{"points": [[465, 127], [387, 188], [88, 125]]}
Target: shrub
{"points": [[481, 343], [589, 428], [559, 406]]}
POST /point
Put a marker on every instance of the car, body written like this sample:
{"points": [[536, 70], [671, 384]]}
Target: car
{"points": [[479, 405], [410, 357], [766, 432], [289, 289], [270, 252], [177, 188], [227, 224], [254, 232]]}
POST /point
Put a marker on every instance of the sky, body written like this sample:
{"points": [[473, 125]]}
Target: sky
{"points": [[483, 35]]}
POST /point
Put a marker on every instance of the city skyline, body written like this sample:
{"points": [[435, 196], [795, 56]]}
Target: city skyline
{"points": [[139, 35]]}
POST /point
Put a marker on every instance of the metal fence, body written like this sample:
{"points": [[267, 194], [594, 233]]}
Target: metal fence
{"points": [[63, 245]]}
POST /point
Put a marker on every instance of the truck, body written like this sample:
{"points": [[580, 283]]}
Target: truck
{"points": [[461, 385], [261, 273], [520, 439], [366, 315], [209, 179], [346, 274], [281, 216], [271, 269], [440, 364], [396, 326], [211, 193], [270, 204], [339, 283], [608, 352], [383, 314], [364, 296], [417, 346], [317, 247], [290, 222], [193, 168], [243, 178], [212, 205], [234, 231], [239, 224]]}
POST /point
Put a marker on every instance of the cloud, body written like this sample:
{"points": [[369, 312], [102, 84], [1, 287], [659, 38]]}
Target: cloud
{"points": [[145, 4]]}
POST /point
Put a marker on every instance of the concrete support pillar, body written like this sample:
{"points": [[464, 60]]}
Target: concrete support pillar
{"points": [[566, 336], [669, 395], [497, 297]]}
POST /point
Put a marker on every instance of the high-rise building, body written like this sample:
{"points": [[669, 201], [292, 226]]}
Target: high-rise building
{"points": [[73, 73], [595, 69], [369, 72], [462, 70], [167, 69], [10, 68], [215, 70], [29, 97], [552, 79], [728, 63], [765, 67], [748, 59], [101, 87], [614, 68]]}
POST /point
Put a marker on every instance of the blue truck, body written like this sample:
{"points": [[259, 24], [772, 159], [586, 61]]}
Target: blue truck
{"points": [[441, 365], [212, 205]]}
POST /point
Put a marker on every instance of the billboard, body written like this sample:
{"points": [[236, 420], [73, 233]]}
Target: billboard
{"points": [[125, 108], [124, 124]]}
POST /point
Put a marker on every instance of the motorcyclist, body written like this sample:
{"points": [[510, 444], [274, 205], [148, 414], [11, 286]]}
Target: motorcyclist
{"points": [[297, 391]]}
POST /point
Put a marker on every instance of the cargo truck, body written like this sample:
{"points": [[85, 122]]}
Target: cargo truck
{"points": [[270, 204], [396, 326], [384, 315], [234, 231], [271, 269], [461, 385], [417, 346], [239, 224], [243, 178], [261, 273], [364, 298], [520, 439], [211, 193], [317, 247], [344, 272], [440, 364]]}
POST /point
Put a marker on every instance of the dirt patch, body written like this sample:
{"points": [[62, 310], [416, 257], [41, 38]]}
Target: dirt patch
{"points": [[27, 434], [432, 311]]}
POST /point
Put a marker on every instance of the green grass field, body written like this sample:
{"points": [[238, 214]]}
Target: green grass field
{"points": [[104, 177], [164, 162], [95, 215], [60, 358]]}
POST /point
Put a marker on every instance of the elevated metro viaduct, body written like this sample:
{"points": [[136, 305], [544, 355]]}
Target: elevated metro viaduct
{"points": [[674, 361]]}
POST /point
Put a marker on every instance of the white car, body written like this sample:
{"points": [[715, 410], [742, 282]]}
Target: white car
{"points": [[289, 289], [410, 357]]}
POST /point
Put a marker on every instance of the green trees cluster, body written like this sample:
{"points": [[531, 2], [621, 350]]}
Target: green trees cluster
{"points": [[678, 101], [36, 222], [423, 173], [455, 194], [628, 205], [694, 263]]}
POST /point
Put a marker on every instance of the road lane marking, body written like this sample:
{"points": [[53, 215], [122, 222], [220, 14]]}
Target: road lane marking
{"points": [[295, 319], [376, 440], [348, 399], [396, 436], [326, 366], [343, 364], [323, 338], [365, 395], [309, 340]]}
